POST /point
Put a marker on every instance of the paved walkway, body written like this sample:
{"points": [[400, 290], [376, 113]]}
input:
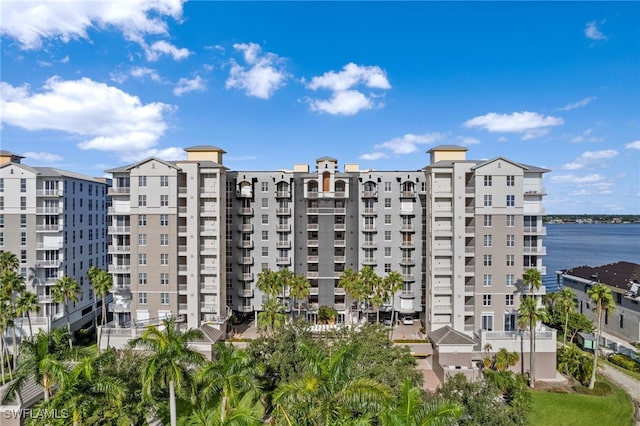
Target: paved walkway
{"points": [[626, 382]]}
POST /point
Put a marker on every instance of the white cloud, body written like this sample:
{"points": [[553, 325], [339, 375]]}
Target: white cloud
{"points": [[633, 145], [30, 22], [345, 99], [167, 154], [373, 156], [262, 77], [585, 137], [592, 32], [576, 179], [468, 140], [108, 118], [409, 142], [502, 139], [590, 158], [162, 47], [185, 86], [42, 156], [141, 72], [531, 124], [580, 103]]}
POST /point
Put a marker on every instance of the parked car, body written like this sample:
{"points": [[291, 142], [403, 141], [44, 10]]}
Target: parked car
{"points": [[407, 320]]}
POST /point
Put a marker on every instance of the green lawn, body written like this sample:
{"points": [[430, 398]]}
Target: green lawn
{"points": [[575, 409]]}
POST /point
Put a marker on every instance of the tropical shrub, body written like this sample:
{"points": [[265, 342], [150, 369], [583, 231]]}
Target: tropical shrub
{"points": [[575, 362], [625, 361]]}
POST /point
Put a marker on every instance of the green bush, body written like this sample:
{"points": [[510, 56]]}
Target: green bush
{"points": [[599, 389], [624, 361]]}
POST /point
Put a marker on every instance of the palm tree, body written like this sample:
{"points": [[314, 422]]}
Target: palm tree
{"points": [[227, 380], [412, 410], [8, 262], [326, 391], [66, 290], [11, 284], [27, 302], [269, 282], [272, 316], [352, 284], [532, 279], [101, 281], [299, 289], [43, 359], [393, 282], [248, 411], [566, 303], [170, 361], [601, 295], [528, 315]]}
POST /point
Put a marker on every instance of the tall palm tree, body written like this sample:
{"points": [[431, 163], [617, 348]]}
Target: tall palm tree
{"points": [[227, 379], [411, 410], [601, 295], [528, 315], [170, 361], [352, 284], [101, 281], [566, 303], [27, 302], [393, 282], [326, 392], [532, 279], [11, 284], [43, 360], [299, 289], [270, 283], [8, 262], [272, 316], [65, 290]]}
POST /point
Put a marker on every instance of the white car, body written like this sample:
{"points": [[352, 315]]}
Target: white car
{"points": [[406, 320]]}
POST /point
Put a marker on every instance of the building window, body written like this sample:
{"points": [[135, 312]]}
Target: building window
{"points": [[1, 185], [511, 220], [487, 240], [265, 251], [142, 298], [1, 203], [265, 235], [164, 239], [1, 220], [142, 278], [621, 321], [164, 298], [142, 239], [508, 299], [511, 240], [23, 256], [510, 322], [387, 203], [265, 219], [142, 220], [487, 322], [488, 220], [387, 235], [142, 259], [164, 278], [164, 201], [488, 200], [1, 238], [511, 200], [387, 187], [23, 238], [264, 186], [164, 180], [142, 181], [486, 300], [265, 203], [142, 200], [487, 181], [387, 252], [164, 220], [511, 181], [23, 185], [387, 219], [387, 268], [511, 260], [487, 260], [487, 280], [164, 259], [23, 221]]}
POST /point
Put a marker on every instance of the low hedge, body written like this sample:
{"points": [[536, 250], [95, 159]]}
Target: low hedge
{"points": [[600, 388], [625, 361]]}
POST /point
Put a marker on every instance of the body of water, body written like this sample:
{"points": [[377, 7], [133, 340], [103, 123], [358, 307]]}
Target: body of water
{"points": [[572, 245]]}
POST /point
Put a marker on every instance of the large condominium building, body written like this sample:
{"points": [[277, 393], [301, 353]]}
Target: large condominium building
{"points": [[54, 221], [167, 229]]}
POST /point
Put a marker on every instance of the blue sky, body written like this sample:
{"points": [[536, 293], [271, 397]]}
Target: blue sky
{"points": [[87, 86]]}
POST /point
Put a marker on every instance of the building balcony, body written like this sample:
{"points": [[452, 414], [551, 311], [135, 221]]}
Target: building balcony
{"points": [[407, 194], [339, 227], [407, 213], [369, 211], [406, 294], [51, 192], [442, 308], [339, 291], [369, 261], [469, 289], [208, 269], [534, 230], [369, 194], [119, 269], [283, 244], [442, 289], [407, 245], [340, 194], [182, 288], [407, 261], [312, 275], [339, 259], [313, 226], [339, 243], [283, 228], [245, 211], [210, 230], [535, 191], [182, 231], [283, 194], [245, 292], [245, 260], [408, 277], [312, 243], [245, 276], [183, 308], [283, 211], [541, 269], [49, 263], [208, 191], [49, 210], [368, 244], [119, 229], [539, 251], [313, 291], [312, 194], [469, 309], [245, 227], [313, 210], [49, 228], [182, 191], [208, 288], [244, 308], [118, 249], [120, 306], [408, 227], [312, 259], [53, 245], [118, 190], [245, 244], [340, 210], [283, 261]]}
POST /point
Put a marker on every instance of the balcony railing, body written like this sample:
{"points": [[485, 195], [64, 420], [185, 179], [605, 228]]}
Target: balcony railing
{"points": [[119, 190], [48, 192], [283, 211], [339, 243], [47, 228], [283, 194], [49, 210], [119, 229]]}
